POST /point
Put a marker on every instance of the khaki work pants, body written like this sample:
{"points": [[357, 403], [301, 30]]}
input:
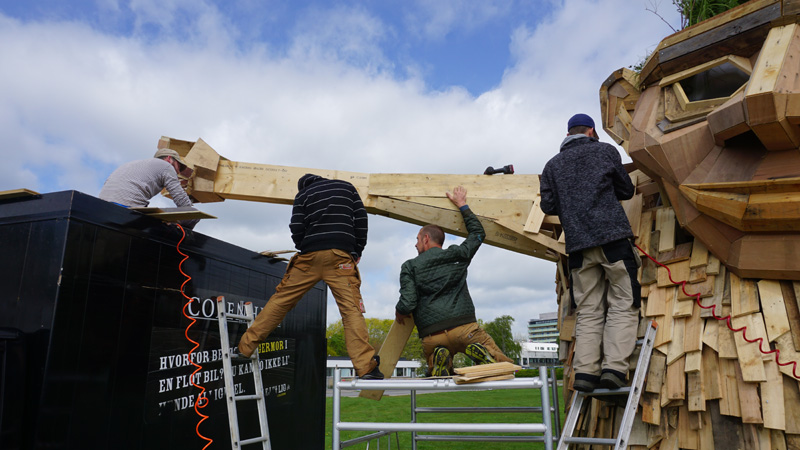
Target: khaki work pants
{"points": [[608, 313], [339, 271], [457, 339]]}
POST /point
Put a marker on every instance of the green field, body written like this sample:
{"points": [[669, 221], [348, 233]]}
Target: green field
{"points": [[398, 409]]}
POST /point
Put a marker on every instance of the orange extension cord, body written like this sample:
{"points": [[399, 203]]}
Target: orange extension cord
{"points": [[202, 400], [727, 320]]}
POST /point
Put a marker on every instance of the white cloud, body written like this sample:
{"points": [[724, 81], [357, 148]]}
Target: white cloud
{"points": [[78, 102], [435, 20]]}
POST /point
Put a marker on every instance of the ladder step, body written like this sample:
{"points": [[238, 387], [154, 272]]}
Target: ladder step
{"points": [[240, 398], [606, 392], [584, 440], [239, 316], [253, 441]]}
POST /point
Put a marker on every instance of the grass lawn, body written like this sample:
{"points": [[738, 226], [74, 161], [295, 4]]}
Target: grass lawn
{"points": [[398, 409]]}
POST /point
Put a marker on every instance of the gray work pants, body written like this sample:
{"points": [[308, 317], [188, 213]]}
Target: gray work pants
{"points": [[608, 296]]}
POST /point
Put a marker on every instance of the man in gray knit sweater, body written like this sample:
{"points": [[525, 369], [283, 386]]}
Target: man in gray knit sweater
{"points": [[583, 185]]}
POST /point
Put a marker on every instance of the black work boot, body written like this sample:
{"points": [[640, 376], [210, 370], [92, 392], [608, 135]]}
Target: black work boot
{"points": [[374, 374]]}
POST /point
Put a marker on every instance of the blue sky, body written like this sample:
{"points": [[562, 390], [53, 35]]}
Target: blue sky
{"points": [[448, 86]]}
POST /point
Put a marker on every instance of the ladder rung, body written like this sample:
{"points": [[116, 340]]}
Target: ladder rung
{"points": [[585, 440], [238, 316], [252, 441], [606, 392], [240, 398]]}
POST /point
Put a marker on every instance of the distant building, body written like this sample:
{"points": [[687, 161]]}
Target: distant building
{"points": [[535, 354], [544, 329], [405, 368]]}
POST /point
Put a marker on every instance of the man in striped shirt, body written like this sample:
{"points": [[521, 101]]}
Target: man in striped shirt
{"points": [[329, 227], [133, 184]]}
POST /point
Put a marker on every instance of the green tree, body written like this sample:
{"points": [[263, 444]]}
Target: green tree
{"points": [[377, 330], [335, 337], [500, 330]]}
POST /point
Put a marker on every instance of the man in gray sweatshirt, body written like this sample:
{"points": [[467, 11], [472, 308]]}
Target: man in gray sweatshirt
{"points": [[583, 185]]}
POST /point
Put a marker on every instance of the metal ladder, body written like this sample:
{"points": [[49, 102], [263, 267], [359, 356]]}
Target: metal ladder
{"points": [[633, 393], [227, 362]]}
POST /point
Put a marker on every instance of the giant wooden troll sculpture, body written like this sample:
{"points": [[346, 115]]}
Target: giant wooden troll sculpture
{"points": [[711, 124]]}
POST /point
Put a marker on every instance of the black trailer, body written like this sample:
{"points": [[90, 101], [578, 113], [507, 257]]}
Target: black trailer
{"points": [[92, 347]]}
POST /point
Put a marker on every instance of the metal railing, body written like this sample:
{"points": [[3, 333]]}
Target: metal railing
{"points": [[543, 430]]}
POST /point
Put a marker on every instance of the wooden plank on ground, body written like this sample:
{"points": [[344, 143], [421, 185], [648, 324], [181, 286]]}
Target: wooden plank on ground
{"points": [[390, 351], [773, 308], [772, 401]]}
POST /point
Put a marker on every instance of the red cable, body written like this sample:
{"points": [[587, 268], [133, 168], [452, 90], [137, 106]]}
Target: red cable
{"points": [[202, 401], [727, 319]]}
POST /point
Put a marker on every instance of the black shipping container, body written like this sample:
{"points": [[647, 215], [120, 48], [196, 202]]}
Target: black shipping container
{"points": [[92, 347]]}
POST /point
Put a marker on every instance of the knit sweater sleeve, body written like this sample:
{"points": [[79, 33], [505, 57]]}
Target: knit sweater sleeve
{"points": [[408, 290], [623, 186], [549, 203]]}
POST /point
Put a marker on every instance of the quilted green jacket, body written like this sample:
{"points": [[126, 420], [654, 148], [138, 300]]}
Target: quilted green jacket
{"points": [[433, 286]]}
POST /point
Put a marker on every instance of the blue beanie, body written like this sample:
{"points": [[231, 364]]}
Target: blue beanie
{"points": [[580, 120]]}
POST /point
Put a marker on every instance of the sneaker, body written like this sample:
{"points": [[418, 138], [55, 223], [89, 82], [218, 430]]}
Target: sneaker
{"points": [[374, 374], [611, 380], [584, 385], [479, 354], [440, 358]]}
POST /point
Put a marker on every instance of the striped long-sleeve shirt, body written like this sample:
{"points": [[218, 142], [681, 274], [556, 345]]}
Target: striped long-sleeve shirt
{"points": [[328, 214]]}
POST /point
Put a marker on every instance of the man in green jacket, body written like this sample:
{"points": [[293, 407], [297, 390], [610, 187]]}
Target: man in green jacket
{"points": [[433, 287]]}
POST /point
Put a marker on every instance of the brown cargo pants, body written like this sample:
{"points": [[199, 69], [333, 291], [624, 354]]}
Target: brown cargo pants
{"points": [[608, 296], [457, 339], [338, 269]]}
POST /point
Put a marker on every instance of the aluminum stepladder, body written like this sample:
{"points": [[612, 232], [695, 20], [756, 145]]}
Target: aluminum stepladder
{"points": [[633, 393], [227, 363]]}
